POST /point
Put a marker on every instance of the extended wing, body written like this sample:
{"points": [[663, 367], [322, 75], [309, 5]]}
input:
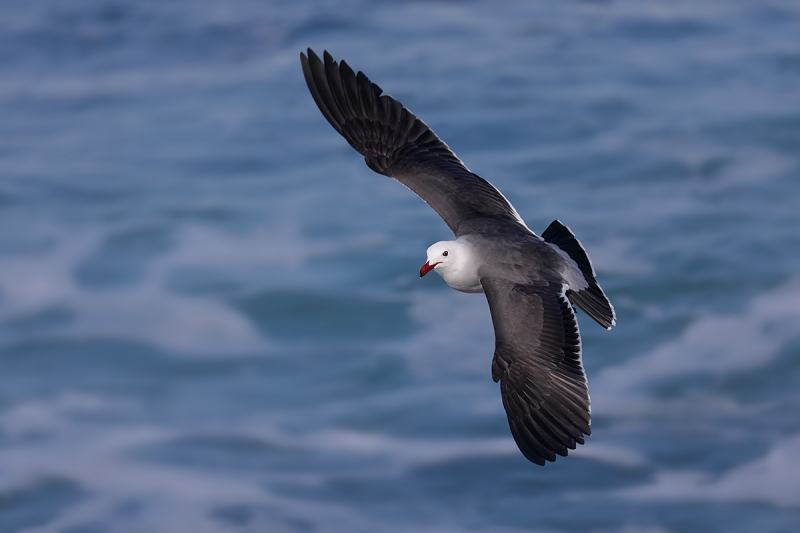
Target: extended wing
{"points": [[397, 144], [537, 360]]}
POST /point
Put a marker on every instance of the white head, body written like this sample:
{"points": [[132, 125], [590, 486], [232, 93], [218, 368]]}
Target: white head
{"points": [[440, 255], [456, 262]]}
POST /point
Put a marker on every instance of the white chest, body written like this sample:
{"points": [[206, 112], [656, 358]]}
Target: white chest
{"points": [[463, 281]]}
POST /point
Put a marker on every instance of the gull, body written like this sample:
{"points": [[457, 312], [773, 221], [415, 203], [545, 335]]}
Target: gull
{"points": [[531, 282]]}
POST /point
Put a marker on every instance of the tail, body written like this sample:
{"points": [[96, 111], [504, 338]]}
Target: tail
{"points": [[591, 300]]}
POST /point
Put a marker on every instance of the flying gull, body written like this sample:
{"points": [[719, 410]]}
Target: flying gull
{"points": [[530, 281]]}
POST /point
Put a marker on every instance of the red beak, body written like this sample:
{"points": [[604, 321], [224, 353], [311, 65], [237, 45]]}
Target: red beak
{"points": [[427, 267]]}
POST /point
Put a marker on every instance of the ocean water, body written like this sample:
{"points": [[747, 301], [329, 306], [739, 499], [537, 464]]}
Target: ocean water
{"points": [[210, 313]]}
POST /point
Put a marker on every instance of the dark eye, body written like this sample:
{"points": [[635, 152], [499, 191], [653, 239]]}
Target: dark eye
{"points": [[444, 253]]}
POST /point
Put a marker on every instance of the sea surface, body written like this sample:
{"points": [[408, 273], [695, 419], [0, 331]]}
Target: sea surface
{"points": [[211, 318]]}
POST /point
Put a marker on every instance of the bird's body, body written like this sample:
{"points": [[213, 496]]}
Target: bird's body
{"points": [[523, 258], [530, 281]]}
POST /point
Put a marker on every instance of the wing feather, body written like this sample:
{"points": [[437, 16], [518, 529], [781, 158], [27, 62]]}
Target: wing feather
{"points": [[397, 144], [537, 361]]}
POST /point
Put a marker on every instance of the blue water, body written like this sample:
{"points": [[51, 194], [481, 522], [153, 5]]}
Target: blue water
{"points": [[210, 313]]}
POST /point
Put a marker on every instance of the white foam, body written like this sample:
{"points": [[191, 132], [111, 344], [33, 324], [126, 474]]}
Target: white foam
{"points": [[171, 498], [147, 80], [102, 461], [405, 453], [610, 454], [40, 417], [771, 479], [455, 333], [713, 345], [147, 311], [205, 247], [619, 256]]}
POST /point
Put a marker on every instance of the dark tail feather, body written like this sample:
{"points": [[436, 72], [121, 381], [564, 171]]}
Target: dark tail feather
{"points": [[591, 300]]}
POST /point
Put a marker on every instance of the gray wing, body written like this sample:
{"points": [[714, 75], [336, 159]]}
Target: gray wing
{"points": [[397, 144], [537, 360]]}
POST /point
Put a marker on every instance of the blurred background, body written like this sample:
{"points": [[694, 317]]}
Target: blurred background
{"points": [[211, 318]]}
